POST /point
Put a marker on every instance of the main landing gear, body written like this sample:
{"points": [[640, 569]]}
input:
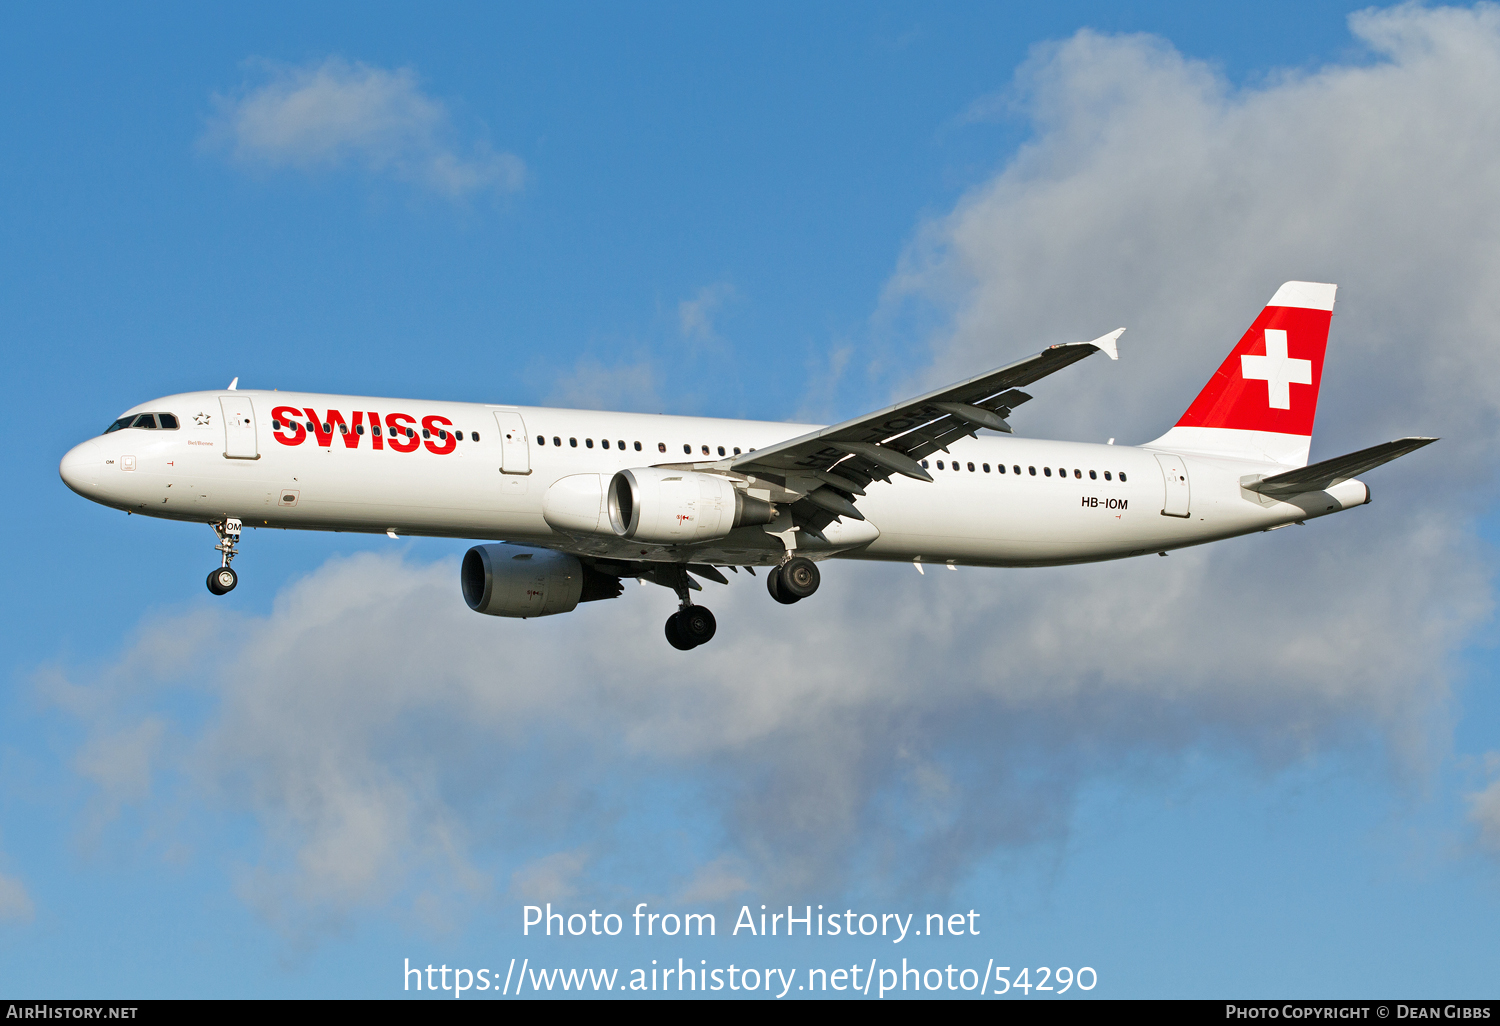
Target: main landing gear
{"points": [[691, 625], [222, 580], [793, 580]]}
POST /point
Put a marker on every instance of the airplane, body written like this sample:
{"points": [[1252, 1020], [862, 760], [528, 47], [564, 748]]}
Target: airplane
{"points": [[585, 500]]}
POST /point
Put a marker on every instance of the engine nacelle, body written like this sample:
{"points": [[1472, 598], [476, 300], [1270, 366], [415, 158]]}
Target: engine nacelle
{"points": [[679, 507], [575, 505], [514, 580]]}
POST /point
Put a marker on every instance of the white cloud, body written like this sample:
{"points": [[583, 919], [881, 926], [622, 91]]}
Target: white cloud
{"points": [[898, 730], [1484, 810], [1156, 196], [549, 878], [119, 764], [695, 317], [337, 114], [594, 385], [15, 904]]}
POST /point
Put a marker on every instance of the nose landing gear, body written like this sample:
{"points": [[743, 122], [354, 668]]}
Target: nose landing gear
{"points": [[222, 580]]}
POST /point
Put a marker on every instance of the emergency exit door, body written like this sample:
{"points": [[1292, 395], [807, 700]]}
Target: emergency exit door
{"points": [[1174, 472], [239, 428], [515, 453]]}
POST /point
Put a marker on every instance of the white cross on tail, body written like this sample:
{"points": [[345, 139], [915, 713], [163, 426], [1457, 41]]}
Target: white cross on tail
{"points": [[1277, 370]]}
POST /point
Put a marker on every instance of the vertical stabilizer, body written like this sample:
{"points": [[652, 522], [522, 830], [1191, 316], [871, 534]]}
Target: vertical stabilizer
{"points": [[1261, 402]]}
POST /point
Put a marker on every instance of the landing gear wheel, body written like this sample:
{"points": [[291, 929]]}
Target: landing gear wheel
{"points": [[696, 625], [674, 634], [800, 577], [690, 627], [222, 580], [778, 589]]}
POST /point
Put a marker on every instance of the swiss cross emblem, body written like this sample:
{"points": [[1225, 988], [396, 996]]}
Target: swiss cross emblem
{"points": [[1279, 371]]}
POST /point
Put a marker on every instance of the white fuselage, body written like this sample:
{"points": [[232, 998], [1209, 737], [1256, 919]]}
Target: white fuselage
{"points": [[1060, 507]]}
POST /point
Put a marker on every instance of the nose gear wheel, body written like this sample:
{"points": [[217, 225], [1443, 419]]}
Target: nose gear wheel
{"points": [[223, 580]]}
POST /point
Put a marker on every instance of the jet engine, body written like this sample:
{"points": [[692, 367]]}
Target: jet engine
{"points": [[514, 580], [678, 507]]}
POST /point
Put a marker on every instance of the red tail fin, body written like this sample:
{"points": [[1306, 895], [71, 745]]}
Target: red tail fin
{"points": [[1262, 401]]}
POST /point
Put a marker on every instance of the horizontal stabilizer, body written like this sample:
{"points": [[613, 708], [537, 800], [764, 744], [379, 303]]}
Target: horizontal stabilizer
{"points": [[1320, 476]]}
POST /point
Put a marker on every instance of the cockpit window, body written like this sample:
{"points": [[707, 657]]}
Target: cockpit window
{"points": [[144, 420]]}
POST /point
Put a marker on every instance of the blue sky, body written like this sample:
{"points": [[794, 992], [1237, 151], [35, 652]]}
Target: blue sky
{"points": [[1267, 770]]}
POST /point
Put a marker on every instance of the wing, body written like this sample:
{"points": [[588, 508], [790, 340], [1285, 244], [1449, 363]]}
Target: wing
{"points": [[1323, 475], [833, 465]]}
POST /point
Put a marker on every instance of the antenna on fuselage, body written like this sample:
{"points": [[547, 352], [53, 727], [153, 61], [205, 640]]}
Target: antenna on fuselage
{"points": [[234, 384]]}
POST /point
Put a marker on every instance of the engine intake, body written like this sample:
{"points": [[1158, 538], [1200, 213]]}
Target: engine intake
{"points": [[515, 580], [676, 507]]}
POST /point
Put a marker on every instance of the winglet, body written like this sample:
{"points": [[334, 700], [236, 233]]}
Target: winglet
{"points": [[1106, 343]]}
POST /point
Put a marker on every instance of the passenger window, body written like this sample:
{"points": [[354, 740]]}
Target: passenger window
{"points": [[275, 425], [541, 439], [1078, 473], [473, 435], [705, 450], [924, 464], [588, 443], [375, 430], [1017, 469], [145, 420], [621, 445], [1107, 477], [940, 464], [661, 446], [687, 450], [604, 442], [573, 442], [1122, 475], [736, 450], [986, 467], [971, 468], [344, 430], [359, 429], [637, 446], [1032, 470], [721, 450], [1093, 476], [167, 421], [1047, 471], [425, 432], [558, 441]]}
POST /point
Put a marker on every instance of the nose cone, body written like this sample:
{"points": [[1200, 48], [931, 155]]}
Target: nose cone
{"points": [[81, 467]]}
